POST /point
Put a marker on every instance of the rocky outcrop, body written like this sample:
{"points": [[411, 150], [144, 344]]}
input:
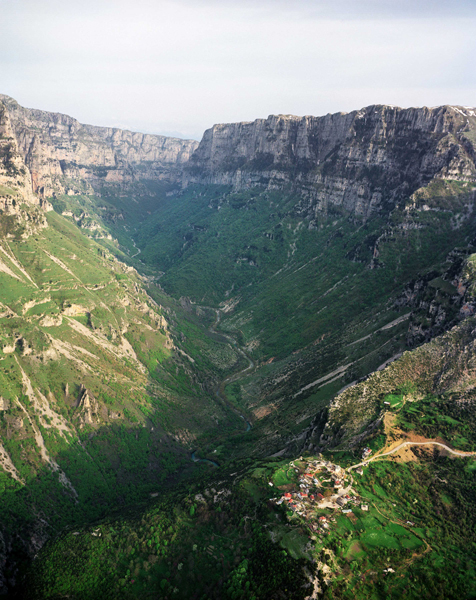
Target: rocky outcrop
{"points": [[21, 211], [15, 180], [65, 156], [447, 365], [363, 161], [439, 301], [88, 412]]}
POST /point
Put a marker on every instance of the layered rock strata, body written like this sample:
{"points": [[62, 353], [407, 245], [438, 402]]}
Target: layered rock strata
{"points": [[65, 156], [15, 181], [363, 161], [19, 207]]}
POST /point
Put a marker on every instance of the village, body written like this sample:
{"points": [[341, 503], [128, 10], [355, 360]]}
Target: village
{"points": [[319, 484]]}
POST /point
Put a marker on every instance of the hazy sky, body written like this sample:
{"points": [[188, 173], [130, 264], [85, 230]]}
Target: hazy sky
{"points": [[179, 66]]}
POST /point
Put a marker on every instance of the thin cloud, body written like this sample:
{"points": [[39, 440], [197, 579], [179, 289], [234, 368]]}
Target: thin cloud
{"points": [[181, 66]]}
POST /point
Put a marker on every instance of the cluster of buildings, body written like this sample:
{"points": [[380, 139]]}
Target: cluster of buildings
{"points": [[321, 484], [366, 452]]}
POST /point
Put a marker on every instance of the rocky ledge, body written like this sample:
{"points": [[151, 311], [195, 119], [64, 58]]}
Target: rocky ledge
{"points": [[365, 161], [65, 156]]}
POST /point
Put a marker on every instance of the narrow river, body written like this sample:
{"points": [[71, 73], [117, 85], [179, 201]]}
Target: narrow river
{"points": [[220, 390]]}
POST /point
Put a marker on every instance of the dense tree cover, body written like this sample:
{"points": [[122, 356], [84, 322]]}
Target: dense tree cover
{"points": [[223, 539], [213, 545], [210, 548]]}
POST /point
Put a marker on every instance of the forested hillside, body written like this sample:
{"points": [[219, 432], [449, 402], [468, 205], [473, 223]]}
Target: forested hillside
{"points": [[186, 329]]}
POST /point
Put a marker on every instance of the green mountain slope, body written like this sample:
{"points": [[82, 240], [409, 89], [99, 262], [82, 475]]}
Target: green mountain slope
{"points": [[384, 530], [101, 398], [168, 310], [106, 384], [309, 234], [315, 308]]}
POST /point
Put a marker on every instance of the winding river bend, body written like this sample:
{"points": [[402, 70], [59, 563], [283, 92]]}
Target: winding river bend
{"points": [[204, 460], [220, 389]]}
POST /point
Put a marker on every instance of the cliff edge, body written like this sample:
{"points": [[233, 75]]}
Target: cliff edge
{"points": [[364, 161], [65, 156]]}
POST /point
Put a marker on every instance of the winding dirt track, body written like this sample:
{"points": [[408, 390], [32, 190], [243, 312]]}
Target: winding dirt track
{"points": [[403, 444]]}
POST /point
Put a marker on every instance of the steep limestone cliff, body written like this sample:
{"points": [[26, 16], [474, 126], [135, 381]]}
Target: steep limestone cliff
{"points": [[16, 185], [362, 161], [65, 156], [15, 179]]}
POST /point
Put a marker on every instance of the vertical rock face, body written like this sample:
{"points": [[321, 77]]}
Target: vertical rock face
{"points": [[362, 161], [65, 156], [15, 182]]}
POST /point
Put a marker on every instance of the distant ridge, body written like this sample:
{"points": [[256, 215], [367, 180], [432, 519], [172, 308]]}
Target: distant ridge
{"points": [[65, 156], [360, 160]]}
